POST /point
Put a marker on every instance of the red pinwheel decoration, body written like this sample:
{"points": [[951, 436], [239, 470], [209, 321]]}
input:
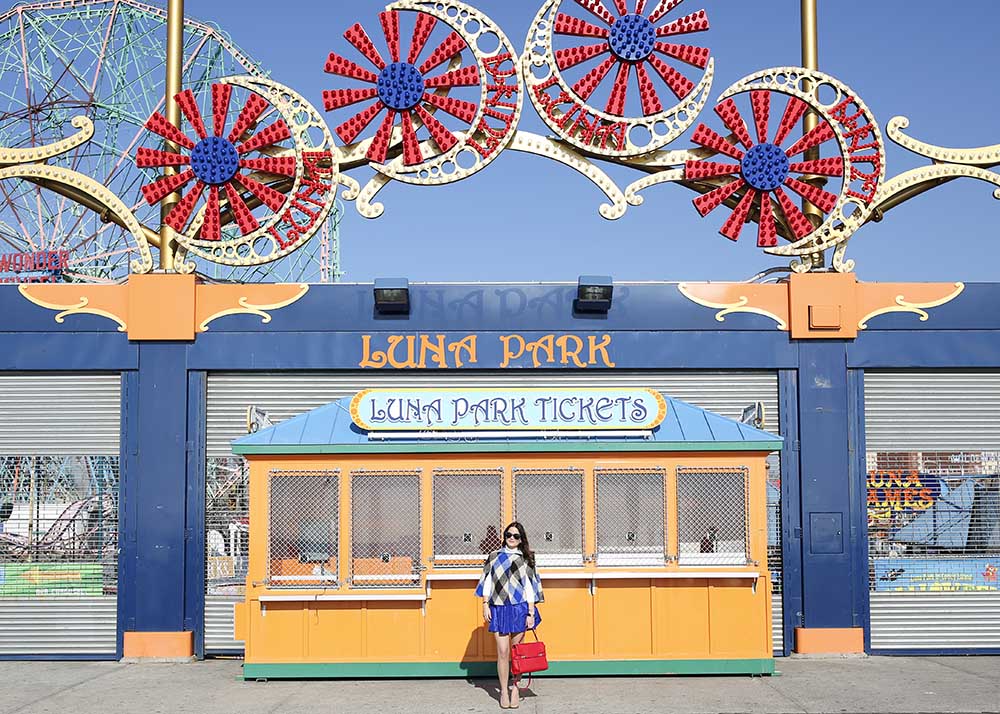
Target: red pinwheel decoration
{"points": [[632, 42], [764, 169], [221, 163], [401, 88]]}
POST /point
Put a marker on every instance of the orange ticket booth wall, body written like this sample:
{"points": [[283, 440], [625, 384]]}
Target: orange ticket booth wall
{"points": [[365, 553]]}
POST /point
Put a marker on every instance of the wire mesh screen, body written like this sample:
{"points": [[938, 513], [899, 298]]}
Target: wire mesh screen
{"points": [[58, 526], [468, 507], [227, 525], [934, 521], [549, 504], [712, 526], [631, 516], [385, 528], [302, 528]]}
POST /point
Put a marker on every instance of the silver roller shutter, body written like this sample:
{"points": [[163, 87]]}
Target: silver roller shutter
{"points": [[945, 425], [932, 411], [54, 626], [286, 394], [219, 615], [59, 470], [59, 414]]}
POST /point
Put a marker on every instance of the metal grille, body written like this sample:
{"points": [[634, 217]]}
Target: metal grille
{"points": [[468, 508], [302, 528], [774, 562], [934, 521], [286, 394], [631, 516], [58, 526], [385, 528], [549, 504], [227, 521], [712, 525]]}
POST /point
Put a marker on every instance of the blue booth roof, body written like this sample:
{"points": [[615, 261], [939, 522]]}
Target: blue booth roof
{"points": [[330, 430]]}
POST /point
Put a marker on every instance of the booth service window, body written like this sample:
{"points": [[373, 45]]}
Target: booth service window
{"points": [[631, 516], [468, 510], [303, 528], [552, 502], [712, 526], [385, 528]]}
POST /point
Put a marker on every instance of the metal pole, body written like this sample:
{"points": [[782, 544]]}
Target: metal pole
{"points": [[810, 60], [175, 61]]}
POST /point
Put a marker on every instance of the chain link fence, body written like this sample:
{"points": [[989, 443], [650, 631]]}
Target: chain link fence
{"points": [[549, 504], [712, 510], [933, 521], [385, 528], [468, 508], [58, 526], [631, 516], [303, 528]]}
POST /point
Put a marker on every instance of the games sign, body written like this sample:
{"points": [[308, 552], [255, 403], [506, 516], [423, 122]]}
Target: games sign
{"points": [[895, 492]]}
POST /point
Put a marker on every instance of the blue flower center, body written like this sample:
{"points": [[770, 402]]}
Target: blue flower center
{"points": [[632, 38], [765, 167], [400, 86], [214, 161]]}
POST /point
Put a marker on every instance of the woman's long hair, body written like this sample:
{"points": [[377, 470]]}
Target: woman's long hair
{"points": [[523, 546]]}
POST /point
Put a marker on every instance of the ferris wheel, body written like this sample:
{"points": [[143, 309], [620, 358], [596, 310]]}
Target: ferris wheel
{"points": [[103, 59]]}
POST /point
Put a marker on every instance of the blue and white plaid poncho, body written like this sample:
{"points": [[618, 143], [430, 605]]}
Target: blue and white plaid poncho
{"points": [[507, 579]]}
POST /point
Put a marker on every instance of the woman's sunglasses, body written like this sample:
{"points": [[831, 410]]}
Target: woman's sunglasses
{"points": [[515, 536]]}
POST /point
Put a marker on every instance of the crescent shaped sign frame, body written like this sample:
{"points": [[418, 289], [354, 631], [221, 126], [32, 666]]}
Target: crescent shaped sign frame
{"points": [[846, 114], [316, 171], [504, 96], [662, 127]]}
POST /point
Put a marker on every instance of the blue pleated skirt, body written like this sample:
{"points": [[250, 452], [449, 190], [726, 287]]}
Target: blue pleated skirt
{"points": [[510, 619]]}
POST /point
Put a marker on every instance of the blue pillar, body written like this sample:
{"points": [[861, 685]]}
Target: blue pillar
{"points": [[828, 497], [152, 579]]}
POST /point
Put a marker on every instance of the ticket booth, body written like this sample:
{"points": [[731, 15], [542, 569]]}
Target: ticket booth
{"points": [[370, 519]]}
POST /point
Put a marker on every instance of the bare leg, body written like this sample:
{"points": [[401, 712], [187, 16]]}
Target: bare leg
{"points": [[515, 695], [503, 667]]}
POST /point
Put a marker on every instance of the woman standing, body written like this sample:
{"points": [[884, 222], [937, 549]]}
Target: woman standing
{"points": [[510, 589]]}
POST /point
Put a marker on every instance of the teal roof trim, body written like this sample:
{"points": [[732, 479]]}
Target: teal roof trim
{"points": [[330, 430]]}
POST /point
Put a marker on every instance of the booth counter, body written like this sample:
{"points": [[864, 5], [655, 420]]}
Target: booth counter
{"points": [[365, 547]]}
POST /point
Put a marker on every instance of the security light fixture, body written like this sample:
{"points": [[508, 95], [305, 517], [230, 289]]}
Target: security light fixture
{"points": [[593, 293], [392, 296]]}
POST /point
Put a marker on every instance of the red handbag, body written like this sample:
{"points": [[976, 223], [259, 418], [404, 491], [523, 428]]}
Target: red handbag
{"points": [[528, 657]]}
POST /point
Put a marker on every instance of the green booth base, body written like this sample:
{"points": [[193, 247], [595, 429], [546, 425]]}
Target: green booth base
{"points": [[441, 670]]}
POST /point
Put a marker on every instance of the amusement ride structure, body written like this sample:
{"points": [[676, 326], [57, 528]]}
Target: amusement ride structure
{"points": [[99, 64], [438, 104]]}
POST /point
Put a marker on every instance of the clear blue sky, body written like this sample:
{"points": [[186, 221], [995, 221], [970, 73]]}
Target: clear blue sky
{"points": [[525, 218]]}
